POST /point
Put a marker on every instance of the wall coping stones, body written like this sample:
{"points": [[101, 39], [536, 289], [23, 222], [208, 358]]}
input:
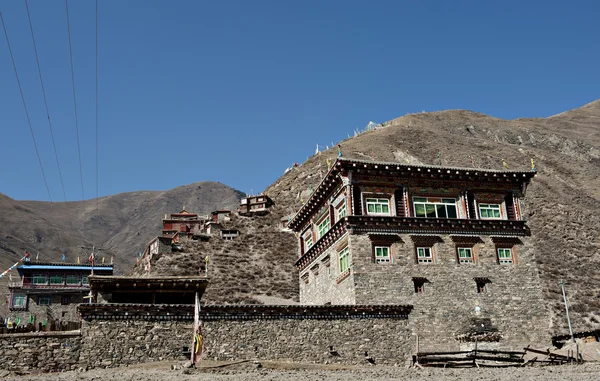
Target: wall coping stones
{"points": [[240, 312], [33, 335]]}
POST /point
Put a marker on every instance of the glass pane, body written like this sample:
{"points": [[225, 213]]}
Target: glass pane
{"points": [[430, 210], [451, 209], [420, 210], [421, 252], [385, 208], [497, 213], [371, 208], [484, 213], [441, 210], [448, 201]]}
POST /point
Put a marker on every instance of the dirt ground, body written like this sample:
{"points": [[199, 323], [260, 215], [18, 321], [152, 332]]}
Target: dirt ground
{"points": [[275, 371]]}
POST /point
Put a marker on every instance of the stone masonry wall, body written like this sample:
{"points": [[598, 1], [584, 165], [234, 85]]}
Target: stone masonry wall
{"points": [[46, 352], [111, 343], [450, 304], [387, 341], [55, 311], [322, 283]]}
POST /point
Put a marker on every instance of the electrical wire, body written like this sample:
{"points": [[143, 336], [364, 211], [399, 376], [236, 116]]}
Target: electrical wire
{"points": [[37, 60], [37, 152], [97, 199], [74, 98]]}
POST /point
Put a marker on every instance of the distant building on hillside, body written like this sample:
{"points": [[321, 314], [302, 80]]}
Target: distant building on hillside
{"points": [[453, 242], [255, 205], [50, 292]]}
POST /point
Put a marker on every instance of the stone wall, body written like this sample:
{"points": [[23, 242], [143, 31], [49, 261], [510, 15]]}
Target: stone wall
{"points": [[46, 352], [53, 312], [322, 282], [111, 343], [450, 305], [387, 341]]}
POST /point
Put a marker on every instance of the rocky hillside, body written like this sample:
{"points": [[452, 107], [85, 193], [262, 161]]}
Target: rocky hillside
{"points": [[562, 201], [121, 224], [257, 267]]}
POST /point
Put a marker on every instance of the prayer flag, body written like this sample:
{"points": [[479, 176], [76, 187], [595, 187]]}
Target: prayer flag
{"points": [[102, 260], [473, 161], [37, 256], [440, 157], [504, 164], [63, 257], [78, 261], [328, 161], [339, 150], [112, 259], [533, 165]]}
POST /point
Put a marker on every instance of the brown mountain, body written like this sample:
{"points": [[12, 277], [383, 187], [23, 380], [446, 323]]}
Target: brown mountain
{"points": [[121, 224], [562, 201]]}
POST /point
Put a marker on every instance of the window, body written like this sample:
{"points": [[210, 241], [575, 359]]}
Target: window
{"points": [[424, 255], [323, 227], [489, 210], [341, 210], [56, 279], [40, 279], [344, 259], [465, 255], [65, 300], [419, 284], [44, 300], [481, 282], [435, 207], [382, 254], [19, 301], [84, 279], [505, 256], [72, 279], [378, 206]]}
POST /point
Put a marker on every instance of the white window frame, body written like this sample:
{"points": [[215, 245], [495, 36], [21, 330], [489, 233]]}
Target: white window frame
{"points": [[33, 279], [490, 207], [44, 297], [323, 227], [378, 201], [446, 201], [84, 280], [464, 259], [341, 210], [502, 259], [62, 280], [308, 239], [383, 255], [344, 259], [72, 277], [425, 259], [22, 298]]}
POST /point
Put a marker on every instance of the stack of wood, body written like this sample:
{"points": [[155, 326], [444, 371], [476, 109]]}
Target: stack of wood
{"points": [[473, 358]]}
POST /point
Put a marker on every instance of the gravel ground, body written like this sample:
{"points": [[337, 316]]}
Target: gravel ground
{"points": [[286, 372]]}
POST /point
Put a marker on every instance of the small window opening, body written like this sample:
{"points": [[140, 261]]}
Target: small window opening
{"points": [[419, 284], [481, 284]]}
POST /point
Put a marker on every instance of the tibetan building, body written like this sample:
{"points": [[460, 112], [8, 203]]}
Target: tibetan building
{"points": [[255, 205], [453, 242], [50, 292]]}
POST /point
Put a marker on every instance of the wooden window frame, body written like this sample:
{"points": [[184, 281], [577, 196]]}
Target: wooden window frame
{"points": [[344, 254], [20, 297], [45, 297], [490, 206], [465, 260], [428, 202], [320, 232], [340, 206], [388, 249], [72, 277], [39, 276], [62, 280], [504, 261], [378, 201], [431, 255]]}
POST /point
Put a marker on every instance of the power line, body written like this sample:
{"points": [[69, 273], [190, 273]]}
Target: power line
{"points": [[37, 60], [74, 98], [97, 201], [37, 152]]}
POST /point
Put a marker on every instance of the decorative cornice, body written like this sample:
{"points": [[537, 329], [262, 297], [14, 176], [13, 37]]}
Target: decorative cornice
{"points": [[420, 225]]}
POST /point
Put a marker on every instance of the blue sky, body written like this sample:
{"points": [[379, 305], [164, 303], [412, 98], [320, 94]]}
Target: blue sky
{"points": [[236, 91]]}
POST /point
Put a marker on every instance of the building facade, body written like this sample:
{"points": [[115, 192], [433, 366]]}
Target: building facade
{"points": [[452, 242], [255, 205], [50, 292]]}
